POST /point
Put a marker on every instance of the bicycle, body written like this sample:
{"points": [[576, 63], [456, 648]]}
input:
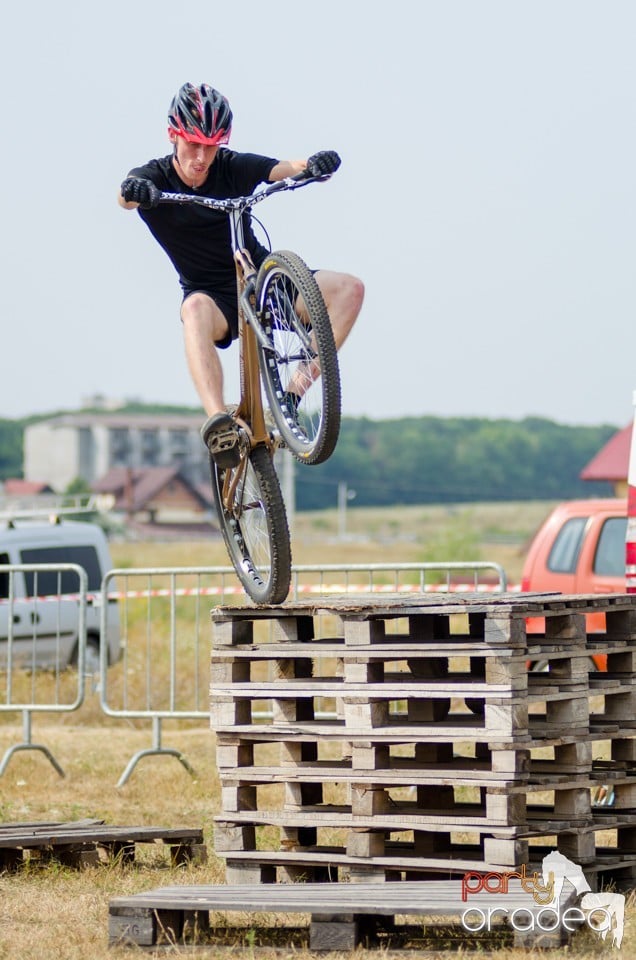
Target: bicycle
{"points": [[285, 340]]}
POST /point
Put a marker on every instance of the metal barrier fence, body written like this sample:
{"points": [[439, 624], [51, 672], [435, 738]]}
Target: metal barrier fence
{"points": [[164, 621], [398, 577], [42, 630], [159, 619]]}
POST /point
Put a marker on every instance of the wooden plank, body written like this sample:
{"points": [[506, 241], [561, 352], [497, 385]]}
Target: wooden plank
{"points": [[394, 646], [466, 772], [541, 734], [407, 898], [312, 772], [364, 606], [466, 816], [462, 727], [44, 824], [290, 687], [37, 835], [470, 818], [602, 684], [458, 859]]}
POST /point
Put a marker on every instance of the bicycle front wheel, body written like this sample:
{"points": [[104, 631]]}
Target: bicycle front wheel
{"points": [[299, 368], [251, 512]]}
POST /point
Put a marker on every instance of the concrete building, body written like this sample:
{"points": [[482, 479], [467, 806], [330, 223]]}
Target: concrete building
{"points": [[88, 445]]}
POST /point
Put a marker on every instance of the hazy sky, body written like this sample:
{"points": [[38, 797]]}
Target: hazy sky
{"points": [[486, 195]]}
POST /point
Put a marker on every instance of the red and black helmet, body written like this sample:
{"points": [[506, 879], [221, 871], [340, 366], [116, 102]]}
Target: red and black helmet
{"points": [[200, 114]]}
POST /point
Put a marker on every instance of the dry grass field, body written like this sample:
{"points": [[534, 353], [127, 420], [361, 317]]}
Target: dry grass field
{"points": [[52, 912], [496, 532]]}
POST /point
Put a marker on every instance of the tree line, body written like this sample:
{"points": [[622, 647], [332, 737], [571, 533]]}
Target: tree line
{"points": [[452, 460], [425, 460], [11, 448]]}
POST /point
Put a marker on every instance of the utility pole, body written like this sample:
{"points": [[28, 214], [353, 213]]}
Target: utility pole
{"points": [[344, 495]]}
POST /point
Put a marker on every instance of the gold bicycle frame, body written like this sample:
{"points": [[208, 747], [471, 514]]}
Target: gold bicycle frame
{"points": [[250, 407], [249, 412]]}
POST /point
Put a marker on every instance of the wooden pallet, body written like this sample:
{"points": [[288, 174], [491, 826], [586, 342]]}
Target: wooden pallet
{"points": [[86, 842], [387, 605], [341, 915], [391, 799], [406, 681], [609, 867]]}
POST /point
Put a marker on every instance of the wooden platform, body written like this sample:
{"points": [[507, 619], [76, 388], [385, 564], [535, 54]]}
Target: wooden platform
{"points": [[341, 915], [402, 737], [86, 842]]}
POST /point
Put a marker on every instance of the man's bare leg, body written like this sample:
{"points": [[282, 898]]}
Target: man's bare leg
{"points": [[343, 295], [203, 324]]}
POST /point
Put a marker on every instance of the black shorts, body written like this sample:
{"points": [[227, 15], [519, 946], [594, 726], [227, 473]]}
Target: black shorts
{"points": [[227, 304]]}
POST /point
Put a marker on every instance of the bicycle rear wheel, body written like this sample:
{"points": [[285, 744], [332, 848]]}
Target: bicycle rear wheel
{"points": [[251, 512], [302, 359]]}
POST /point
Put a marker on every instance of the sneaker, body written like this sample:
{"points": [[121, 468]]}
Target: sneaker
{"points": [[220, 435]]}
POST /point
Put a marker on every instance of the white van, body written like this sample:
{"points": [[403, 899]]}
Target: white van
{"points": [[43, 606]]}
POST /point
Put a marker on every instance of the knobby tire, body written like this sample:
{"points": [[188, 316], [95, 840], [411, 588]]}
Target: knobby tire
{"points": [[283, 280], [254, 526]]}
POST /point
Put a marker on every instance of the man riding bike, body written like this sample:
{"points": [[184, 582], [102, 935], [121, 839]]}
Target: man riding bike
{"points": [[198, 242]]}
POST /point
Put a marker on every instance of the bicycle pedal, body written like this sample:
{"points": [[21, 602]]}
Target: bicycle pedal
{"points": [[223, 446], [226, 455], [219, 442]]}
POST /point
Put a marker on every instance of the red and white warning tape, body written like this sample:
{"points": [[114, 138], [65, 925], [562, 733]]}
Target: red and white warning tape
{"points": [[303, 588]]}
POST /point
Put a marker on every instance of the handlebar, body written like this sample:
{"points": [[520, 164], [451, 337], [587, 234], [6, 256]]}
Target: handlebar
{"points": [[239, 204]]}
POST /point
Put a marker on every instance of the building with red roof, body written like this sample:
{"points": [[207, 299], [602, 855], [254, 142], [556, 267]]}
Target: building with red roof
{"points": [[611, 463]]}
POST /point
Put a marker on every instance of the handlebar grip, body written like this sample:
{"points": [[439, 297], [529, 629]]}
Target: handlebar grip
{"points": [[306, 177]]}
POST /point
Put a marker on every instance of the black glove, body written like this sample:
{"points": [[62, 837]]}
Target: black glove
{"points": [[323, 164], [143, 192]]}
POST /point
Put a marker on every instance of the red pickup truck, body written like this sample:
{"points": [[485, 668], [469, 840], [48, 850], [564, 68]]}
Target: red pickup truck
{"points": [[580, 548]]}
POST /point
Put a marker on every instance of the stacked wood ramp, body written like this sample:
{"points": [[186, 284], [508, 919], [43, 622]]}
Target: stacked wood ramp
{"points": [[407, 738]]}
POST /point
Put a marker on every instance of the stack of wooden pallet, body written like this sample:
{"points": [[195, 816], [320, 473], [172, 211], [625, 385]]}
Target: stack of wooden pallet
{"points": [[413, 740]]}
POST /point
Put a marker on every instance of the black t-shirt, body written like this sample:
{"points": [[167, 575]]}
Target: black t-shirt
{"points": [[196, 239]]}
